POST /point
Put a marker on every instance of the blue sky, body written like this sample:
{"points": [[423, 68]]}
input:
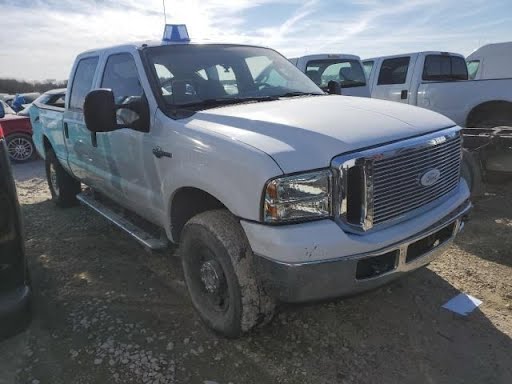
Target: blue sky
{"points": [[41, 37]]}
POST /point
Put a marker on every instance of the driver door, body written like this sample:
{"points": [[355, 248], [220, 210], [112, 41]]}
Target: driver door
{"points": [[124, 156]]}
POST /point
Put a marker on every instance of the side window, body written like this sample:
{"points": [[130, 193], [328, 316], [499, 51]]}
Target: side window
{"points": [[122, 77], [444, 67], [394, 71], [368, 66], [473, 66], [82, 82]]}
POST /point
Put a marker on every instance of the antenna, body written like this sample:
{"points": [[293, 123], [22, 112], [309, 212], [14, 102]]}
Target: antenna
{"points": [[165, 14]]}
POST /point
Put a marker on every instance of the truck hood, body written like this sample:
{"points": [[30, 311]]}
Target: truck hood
{"points": [[306, 133]]}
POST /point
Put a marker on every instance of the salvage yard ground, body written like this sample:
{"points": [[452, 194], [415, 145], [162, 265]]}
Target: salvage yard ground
{"points": [[107, 311]]}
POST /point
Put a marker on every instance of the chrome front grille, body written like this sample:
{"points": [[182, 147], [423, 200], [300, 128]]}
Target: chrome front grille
{"points": [[384, 185], [397, 187]]}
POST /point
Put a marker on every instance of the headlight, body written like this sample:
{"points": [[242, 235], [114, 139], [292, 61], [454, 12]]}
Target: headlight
{"points": [[300, 197]]}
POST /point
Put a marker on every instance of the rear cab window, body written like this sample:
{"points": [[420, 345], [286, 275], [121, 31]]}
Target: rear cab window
{"points": [[349, 73], [394, 71], [82, 82], [444, 68]]}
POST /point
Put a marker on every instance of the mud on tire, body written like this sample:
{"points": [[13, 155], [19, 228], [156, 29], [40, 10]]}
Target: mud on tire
{"points": [[214, 244], [63, 187]]}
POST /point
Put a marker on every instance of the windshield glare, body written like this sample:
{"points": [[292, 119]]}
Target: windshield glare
{"points": [[196, 74]]}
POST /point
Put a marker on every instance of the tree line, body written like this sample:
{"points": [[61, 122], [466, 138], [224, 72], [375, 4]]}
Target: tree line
{"points": [[13, 86]]}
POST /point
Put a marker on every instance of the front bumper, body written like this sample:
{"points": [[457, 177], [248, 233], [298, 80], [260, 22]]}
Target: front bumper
{"points": [[347, 275], [15, 311]]}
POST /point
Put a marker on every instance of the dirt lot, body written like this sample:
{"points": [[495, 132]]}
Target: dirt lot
{"points": [[106, 311]]}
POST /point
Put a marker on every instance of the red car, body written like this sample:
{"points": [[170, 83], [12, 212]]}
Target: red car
{"points": [[18, 135]]}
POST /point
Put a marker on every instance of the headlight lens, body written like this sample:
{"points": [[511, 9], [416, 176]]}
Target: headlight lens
{"points": [[300, 197]]}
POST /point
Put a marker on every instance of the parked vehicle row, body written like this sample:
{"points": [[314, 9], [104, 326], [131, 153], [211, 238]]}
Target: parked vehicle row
{"points": [[17, 128]]}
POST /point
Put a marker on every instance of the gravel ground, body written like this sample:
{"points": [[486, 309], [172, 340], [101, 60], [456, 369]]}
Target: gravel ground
{"points": [[107, 311]]}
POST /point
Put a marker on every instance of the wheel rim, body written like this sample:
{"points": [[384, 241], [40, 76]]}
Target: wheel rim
{"points": [[53, 179], [20, 148], [212, 280]]}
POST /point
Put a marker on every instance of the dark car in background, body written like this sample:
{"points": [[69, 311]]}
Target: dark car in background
{"points": [[15, 293]]}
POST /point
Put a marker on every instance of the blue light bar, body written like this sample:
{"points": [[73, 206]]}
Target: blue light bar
{"points": [[176, 33]]}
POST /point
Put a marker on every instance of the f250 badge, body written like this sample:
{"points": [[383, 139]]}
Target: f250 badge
{"points": [[430, 177]]}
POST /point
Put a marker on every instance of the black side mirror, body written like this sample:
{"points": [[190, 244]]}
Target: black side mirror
{"points": [[334, 87], [100, 111], [2, 111]]}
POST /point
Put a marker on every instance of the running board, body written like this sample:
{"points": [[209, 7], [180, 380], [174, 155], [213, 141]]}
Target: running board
{"points": [[142, 236]]}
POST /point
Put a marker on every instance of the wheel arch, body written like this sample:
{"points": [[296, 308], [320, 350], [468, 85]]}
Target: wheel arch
{"points": [[495, 109], [187, 202]]}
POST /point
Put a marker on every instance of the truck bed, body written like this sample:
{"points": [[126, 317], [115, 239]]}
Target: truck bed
{"points": [[456, 99], [47, 121]]}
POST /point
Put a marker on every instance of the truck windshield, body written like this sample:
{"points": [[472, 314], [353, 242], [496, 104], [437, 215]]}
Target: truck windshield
{"points": [[205, 76], [349, 73]]}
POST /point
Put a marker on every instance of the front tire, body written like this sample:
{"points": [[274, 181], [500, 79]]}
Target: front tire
{"points": [[472, 173], [20, 147], [63, 187], [218, 267]]}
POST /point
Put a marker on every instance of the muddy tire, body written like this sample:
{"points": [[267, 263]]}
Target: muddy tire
{"points": [[63, 187], [472, 173], [218, 268]]}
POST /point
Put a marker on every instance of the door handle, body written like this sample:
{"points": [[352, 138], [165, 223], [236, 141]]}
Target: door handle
{"points": [[404, 94], [159, 153], [66, 131]]}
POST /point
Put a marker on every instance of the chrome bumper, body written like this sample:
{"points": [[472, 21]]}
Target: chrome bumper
{"points": [[348, 275]]}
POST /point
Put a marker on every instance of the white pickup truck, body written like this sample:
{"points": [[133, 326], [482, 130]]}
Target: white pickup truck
{"points": [[345, 69], [439, 81], [274, 190]]}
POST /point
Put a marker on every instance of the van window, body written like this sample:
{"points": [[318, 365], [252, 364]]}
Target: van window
{"points": [[473, 66], [368, 66], [444, 68], [349, 73], [394, 71], [82, 82]]}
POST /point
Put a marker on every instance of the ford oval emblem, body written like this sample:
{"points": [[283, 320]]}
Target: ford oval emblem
{"points": [[431, 177]]}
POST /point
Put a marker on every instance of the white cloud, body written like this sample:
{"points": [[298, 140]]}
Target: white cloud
{"points": [[40, 40]]}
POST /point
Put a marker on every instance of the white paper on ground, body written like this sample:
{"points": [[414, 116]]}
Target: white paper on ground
{"points": [[463, 304]]}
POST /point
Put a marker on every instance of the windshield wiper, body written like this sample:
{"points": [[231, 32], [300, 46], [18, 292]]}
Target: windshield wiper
{"points": [[211, 103], [296, 94]]}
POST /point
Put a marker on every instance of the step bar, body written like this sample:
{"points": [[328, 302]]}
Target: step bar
{"points": [[142, 236]]}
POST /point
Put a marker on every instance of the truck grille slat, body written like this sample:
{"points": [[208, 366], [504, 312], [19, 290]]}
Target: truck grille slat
{"points": [[417, 155], [411, 191], [396, 205], [442, 157], [397, 187], [447, 163], [384, 185], [391, 186]]}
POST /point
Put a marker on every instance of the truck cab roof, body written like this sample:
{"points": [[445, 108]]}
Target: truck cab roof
{"points": [[424, 53], [137, 45]]}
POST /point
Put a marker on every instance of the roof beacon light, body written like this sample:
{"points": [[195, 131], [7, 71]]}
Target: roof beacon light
{"points": [[176, 33]]}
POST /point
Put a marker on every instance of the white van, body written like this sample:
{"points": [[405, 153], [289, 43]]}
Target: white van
{"points": [[492, 61]]}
